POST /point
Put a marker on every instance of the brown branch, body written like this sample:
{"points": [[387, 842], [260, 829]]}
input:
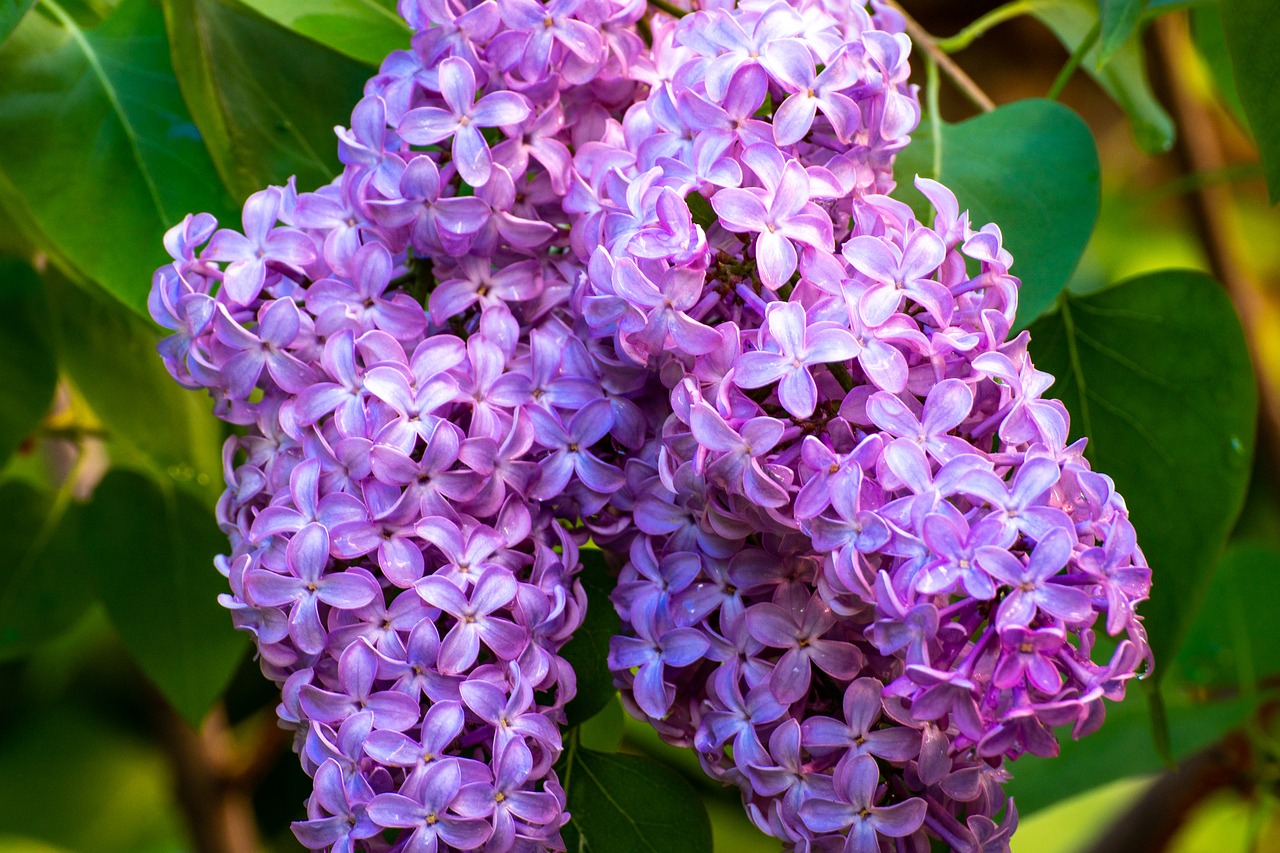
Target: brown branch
{"points": [[929, 45], [1213, 208], [1153, 822], [219, 811]]}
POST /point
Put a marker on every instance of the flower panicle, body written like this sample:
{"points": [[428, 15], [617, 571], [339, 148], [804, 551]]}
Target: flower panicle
{"points": [[595, 271]]}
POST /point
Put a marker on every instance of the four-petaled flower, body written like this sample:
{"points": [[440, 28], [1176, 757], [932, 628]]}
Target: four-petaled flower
{"points": [[463, 119], [792, 347], [855, 811]]}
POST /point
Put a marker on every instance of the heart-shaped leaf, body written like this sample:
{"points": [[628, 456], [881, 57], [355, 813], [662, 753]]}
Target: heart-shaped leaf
{"points": [[91, 120], [629, 804], [365, 30], [28, 372], [1156, 373], [265, 98], [1044, 195], [153, 551]]}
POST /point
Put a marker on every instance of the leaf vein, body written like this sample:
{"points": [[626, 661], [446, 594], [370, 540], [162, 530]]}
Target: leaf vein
{"points": [[117, 106]]}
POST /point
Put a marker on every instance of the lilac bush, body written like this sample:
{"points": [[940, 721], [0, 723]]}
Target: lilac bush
{"points": [[596, 273]]}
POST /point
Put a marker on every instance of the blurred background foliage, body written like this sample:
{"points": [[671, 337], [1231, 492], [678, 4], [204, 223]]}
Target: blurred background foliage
{"points": [[132, 717]]}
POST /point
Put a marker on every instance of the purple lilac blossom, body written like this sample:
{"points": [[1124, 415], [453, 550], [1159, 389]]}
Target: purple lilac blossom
{"points": [[936, 557], [406, 508], [850, 521]]}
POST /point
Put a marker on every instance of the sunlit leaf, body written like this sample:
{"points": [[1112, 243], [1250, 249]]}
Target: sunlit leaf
{"points": [[1156, 373], [1044, 196], [366, 30], [96, 141], [1124, 77], [1119, 22], [266, 99], [14, 844], [1123, 747], [11, 12], [153, 550]]}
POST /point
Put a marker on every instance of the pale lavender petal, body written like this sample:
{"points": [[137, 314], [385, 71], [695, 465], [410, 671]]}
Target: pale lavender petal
{"points": [[776, 258], [740, 210], [427, 125], [500, 108], [457, 84], [471, 156]]}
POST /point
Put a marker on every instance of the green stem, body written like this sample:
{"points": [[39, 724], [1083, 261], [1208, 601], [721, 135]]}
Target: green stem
{"points": [[931, 86], [842, 375], [670, 8], [921, 37], [994, 18], [1074, 61]]}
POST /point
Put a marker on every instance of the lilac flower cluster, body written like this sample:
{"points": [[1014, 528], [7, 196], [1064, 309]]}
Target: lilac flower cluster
{"points": [[866, 566], [405, 506], [591, 272]]}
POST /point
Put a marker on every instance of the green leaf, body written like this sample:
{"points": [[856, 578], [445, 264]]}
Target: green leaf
{"points": [[96, 141], [43, 585], [28, 373], [629, 804], [80, 784], [110, 356], [13, 844], [1044, 196], [1253, 31], [1124, 78], [365, 30], [588, 651], [265, 98], [1211, 43], [153, 551], [1156, 8], [701, 210], [1232, 642], [11, 12], [1123, 747], [1156, 373], [604, 731], [1119, 22]]}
